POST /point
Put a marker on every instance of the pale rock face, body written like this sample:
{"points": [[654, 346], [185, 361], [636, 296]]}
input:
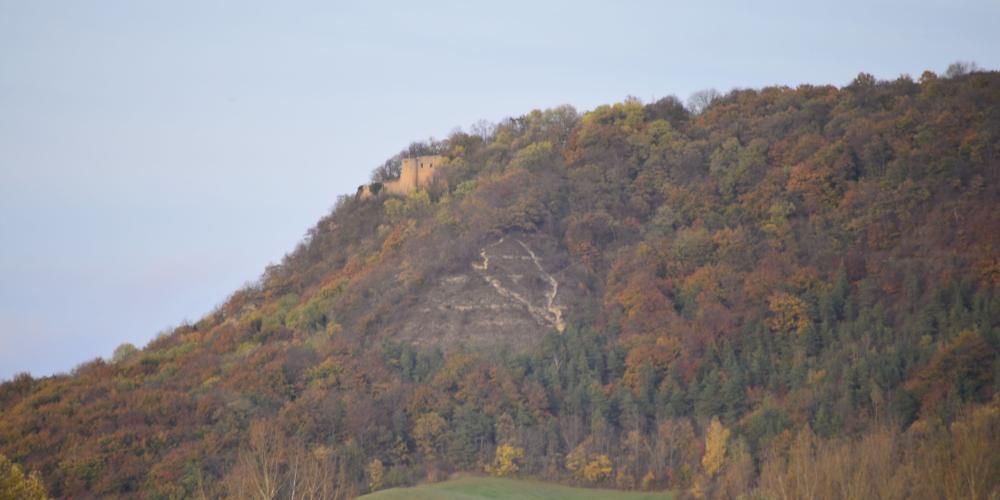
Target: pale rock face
{"points": [[510, 296]]}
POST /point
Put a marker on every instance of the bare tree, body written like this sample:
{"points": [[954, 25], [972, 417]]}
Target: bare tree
{"points": [[388, 170], [484, 129], [961, 68], [310, 474], [257, 470], [701, 100], [272, 466]]}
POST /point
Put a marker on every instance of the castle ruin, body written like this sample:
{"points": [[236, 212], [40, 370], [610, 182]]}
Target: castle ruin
{"points": [[415, 174]]}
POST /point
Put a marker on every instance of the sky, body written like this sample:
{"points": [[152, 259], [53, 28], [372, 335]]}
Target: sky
{"points": [[156, 156]]}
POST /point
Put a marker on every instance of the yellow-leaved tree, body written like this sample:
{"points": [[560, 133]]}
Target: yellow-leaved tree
{"points": [[598, 468], [505, 460], [376, 473], [588, 466], [427, 432], [789, 314], [14, 483], [715, 447]]}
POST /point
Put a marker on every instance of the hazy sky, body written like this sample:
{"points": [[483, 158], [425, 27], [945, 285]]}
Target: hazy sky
{"points": [[156, 156]]}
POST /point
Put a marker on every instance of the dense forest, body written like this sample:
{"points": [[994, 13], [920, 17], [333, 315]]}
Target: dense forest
{"points": [[782, 293]]}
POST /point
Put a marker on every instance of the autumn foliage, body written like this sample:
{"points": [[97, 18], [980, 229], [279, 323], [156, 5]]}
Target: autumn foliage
{"points": [[792, 292]]}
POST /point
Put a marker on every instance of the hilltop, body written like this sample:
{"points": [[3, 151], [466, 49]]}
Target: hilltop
{"points": [[790, 283]]}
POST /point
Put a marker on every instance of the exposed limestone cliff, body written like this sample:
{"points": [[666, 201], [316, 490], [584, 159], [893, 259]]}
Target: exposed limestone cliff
{"points": [[511, 296]]}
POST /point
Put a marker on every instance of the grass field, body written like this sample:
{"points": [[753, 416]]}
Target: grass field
{"points": [[477, 488]]}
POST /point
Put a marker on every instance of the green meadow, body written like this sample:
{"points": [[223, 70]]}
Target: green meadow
{"points": [[477, 488]]}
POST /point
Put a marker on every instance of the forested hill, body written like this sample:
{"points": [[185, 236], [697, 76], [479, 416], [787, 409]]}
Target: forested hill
{"points": [[792, 290]]}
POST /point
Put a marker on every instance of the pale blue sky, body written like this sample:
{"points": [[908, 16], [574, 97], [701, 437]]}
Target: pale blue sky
{"points": [[156, 156]]}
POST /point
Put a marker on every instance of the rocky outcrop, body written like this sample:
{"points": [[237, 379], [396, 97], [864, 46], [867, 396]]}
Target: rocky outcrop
{"points": [[511, 296]]}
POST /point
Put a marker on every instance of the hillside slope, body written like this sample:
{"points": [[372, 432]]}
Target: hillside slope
{"points": [[635, 297]]}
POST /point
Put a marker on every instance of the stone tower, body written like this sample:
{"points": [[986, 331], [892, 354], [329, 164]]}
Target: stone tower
{"points": [[415, 174]]}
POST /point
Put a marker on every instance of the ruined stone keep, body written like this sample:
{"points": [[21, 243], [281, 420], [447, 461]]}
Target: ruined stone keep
{"points": [[415, 174]]}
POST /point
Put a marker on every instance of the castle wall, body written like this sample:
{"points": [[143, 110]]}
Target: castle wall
{"points": [[426, 168], [415, 173], [408, 175], [397, 187]]}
